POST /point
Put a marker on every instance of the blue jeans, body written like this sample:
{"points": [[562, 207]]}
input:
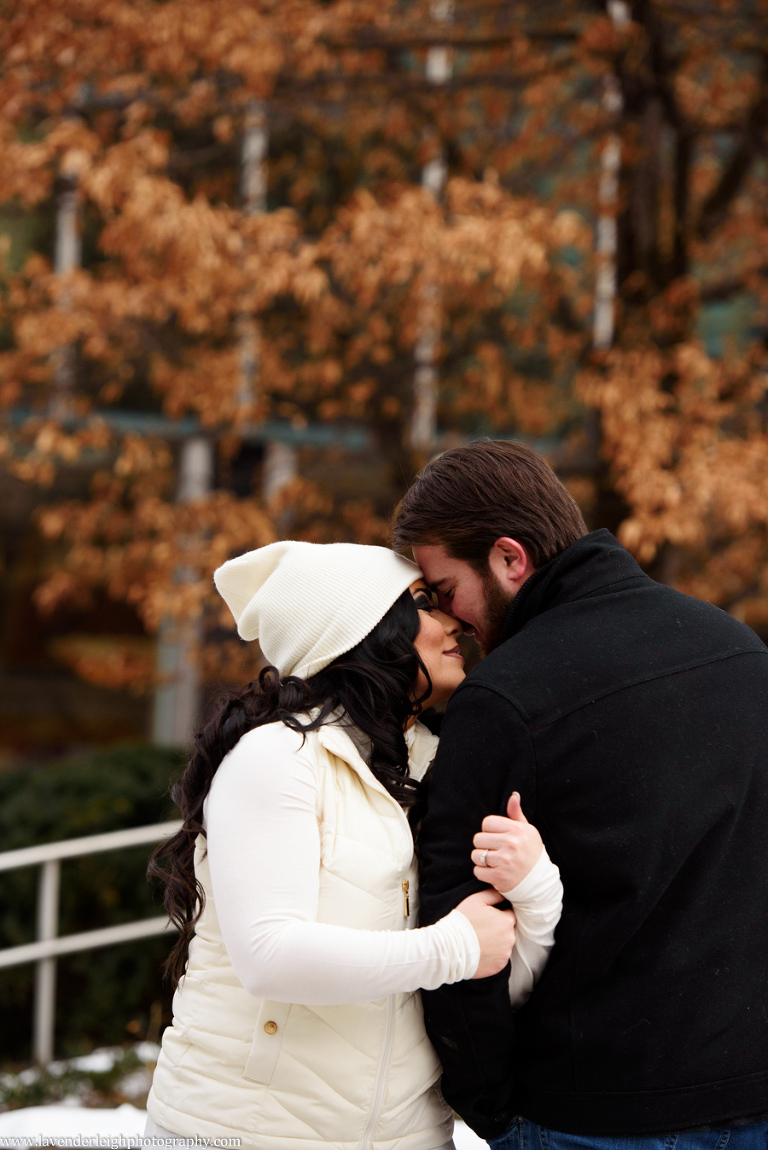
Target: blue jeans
{"points": [[525, 1135]]}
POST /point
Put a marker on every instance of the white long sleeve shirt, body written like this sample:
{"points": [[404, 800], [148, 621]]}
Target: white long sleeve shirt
{"points": [[264, 859], [538, 904]]}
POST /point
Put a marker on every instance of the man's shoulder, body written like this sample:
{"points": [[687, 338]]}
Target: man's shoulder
{"points": [[500, 681], [492, 684], [589, 646], [483, 702]]}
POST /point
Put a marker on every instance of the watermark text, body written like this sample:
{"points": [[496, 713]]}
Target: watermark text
{"points": [[117, 1141]]}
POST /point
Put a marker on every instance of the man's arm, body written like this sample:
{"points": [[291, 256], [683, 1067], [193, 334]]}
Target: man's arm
{"points": [[484, 754]]}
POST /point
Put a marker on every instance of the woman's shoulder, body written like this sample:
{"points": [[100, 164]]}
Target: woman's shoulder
{"points": [[272, 741], [276, 732], [268, 763]]}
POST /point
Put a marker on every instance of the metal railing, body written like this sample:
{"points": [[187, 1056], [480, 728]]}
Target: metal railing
{"points": [[49, 946]]}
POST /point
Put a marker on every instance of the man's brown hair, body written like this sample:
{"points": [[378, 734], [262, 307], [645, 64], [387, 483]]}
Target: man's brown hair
{"points": [[471, 496]]}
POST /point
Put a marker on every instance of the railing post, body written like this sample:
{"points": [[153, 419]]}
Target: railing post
{"points": [[49, 945], [45, 969]]}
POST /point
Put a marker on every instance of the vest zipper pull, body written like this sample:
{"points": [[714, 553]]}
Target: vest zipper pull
{"points": [[406, 903]]}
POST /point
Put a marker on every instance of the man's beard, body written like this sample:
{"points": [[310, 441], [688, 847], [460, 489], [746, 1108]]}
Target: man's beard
{"points": [[497, 602]]}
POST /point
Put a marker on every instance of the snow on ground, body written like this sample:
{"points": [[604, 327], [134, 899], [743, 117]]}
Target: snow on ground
{"points": [[65, 1121], [55, 1125], [52, 1125], [466, 1139]]}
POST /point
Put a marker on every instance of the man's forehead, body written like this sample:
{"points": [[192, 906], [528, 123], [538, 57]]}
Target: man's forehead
{"points": [[437, 565]]}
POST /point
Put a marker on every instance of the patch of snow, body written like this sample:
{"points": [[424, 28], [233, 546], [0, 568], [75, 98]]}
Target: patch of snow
{"points": [[29, 1076], [65, 1124], [136, 1083], [68, 1121], [98, 1061], [147, 1051], [466, 1139]]}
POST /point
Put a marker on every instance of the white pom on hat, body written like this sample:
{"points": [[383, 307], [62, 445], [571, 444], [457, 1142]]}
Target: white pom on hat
{"points": [[308, 603]]}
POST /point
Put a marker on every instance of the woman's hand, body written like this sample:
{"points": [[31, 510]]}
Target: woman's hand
{"points": [[495, 930], [509, 847]]}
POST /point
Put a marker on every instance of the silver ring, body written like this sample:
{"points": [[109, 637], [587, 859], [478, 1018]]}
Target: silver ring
{"points": [[483, 857]]}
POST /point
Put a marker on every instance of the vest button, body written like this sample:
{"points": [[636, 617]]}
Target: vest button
{"points": [[270, 1027]]}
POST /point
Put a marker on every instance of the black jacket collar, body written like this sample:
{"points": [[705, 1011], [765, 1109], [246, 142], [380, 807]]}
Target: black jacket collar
{"points": [[590, 565]]}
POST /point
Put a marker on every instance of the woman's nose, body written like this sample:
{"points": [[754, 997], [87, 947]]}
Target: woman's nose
{"points": [[452, 626]]}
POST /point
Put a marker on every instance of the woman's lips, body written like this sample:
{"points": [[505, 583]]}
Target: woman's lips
{"points": [[454, 653]]}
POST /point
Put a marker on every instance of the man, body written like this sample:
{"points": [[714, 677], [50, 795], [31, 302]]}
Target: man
{"points": [[633, 721]]}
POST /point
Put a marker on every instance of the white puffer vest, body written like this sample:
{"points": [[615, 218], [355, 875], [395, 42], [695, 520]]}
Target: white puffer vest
{"points": [[287, 1077]]}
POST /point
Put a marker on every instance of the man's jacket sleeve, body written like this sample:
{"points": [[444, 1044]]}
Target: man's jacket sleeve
{"points": [[484, 755]]}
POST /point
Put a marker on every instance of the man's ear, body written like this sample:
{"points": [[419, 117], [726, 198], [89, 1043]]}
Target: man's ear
{"points": [[510, 563]]}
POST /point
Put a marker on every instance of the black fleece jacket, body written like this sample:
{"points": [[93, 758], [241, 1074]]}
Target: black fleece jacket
{"points": [[633, 721]]}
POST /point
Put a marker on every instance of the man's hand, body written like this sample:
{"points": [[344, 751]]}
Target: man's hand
{"points": [[509, 847]]}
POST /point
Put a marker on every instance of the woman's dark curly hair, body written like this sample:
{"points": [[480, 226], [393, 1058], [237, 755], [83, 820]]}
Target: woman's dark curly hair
{"points": [[373, 685]]}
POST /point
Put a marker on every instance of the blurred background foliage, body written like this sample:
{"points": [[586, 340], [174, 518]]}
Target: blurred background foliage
{"points": [[262, 260], [110, 995]]}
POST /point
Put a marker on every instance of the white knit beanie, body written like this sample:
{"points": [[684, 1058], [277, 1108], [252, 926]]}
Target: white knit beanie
{"points": [[308, 603]]}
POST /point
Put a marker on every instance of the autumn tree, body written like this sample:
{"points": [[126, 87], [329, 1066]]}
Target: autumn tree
{"points": [[683, 410], [420, 224], [147, 142]]}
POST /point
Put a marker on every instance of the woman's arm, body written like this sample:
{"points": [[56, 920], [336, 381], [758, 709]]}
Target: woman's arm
{"points": [[264, 859], [510, 855], [538, 903]]}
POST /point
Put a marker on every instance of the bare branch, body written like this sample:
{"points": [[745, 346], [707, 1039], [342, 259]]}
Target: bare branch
{"points": [[752, 142]]}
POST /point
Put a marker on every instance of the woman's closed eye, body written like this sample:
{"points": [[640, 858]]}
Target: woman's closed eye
{"points": [[425, 600]]}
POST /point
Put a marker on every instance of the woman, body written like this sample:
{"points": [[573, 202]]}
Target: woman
{"points": [[297, 1022]]}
